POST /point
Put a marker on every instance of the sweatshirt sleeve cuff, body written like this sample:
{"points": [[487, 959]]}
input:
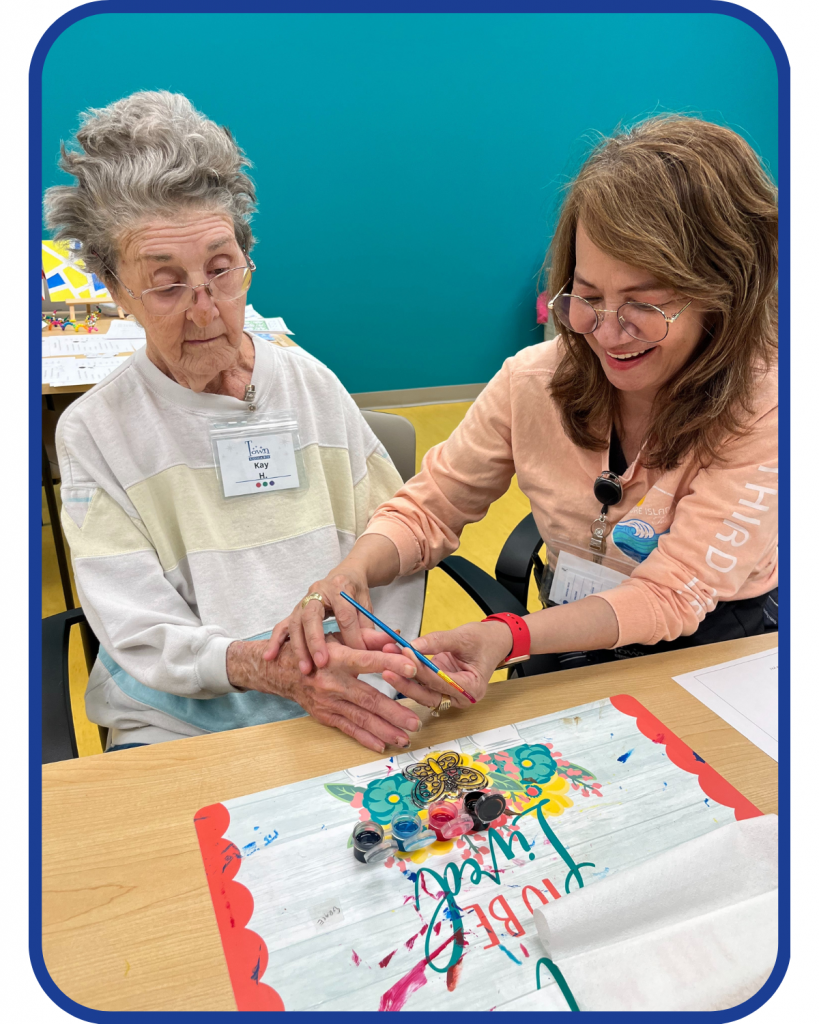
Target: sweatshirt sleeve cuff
{"points": [[635, 612], [410, 557], [211, 666]]}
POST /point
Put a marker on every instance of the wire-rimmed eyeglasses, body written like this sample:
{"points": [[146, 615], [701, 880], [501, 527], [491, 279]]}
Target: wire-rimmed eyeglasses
{"points": [[640, 320], [168, 299]]}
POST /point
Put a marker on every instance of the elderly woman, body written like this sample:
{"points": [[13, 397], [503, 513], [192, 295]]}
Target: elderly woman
{"points": [[209, 478], [645, 435]]}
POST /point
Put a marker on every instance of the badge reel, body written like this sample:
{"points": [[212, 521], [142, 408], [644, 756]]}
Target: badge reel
{"points": [[608, 491], [259, 455]]}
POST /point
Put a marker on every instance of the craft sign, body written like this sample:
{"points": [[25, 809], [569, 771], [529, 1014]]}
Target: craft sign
{"points": [[449, 926], [260, 464]]}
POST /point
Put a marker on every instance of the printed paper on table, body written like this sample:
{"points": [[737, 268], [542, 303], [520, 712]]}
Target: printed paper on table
{"points": [[305, 926]]}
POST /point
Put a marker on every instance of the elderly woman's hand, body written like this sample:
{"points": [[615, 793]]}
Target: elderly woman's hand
{"points": [[373, 562], [333, 695], [468, 654]]}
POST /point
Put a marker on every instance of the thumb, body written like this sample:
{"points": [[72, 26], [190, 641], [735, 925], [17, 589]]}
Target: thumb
{"points": [[434, 643]]}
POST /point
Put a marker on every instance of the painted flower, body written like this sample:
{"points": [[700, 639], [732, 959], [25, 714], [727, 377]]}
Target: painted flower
{"points": [[555, 789], [535, 762], [383, 797]]}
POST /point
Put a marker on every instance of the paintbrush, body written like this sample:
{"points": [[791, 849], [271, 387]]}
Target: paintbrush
{"points": [[404, 643]]}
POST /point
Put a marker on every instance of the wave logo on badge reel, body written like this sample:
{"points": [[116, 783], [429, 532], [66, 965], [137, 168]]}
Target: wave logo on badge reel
{"points": [[636, 538]]}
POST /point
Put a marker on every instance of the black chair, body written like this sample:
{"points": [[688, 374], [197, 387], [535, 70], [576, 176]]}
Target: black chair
{"points": [[59, 741]]}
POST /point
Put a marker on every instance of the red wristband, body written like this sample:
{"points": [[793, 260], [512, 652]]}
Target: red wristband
{"points": [[521, 639]]}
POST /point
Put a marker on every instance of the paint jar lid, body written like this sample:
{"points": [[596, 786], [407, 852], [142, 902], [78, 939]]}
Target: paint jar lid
{"points": [[487, 805], [380, 852], [423, 838], [459, 826]]}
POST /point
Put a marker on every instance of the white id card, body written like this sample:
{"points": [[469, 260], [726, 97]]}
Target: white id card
{"points": [[576, 577], [256, 457]]}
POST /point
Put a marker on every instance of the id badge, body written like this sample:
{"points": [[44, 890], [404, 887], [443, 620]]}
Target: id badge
{"points": [[257, 456], [575, 578]]}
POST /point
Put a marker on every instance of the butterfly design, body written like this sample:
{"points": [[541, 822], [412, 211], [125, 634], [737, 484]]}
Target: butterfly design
{"points": [[436, 776]]}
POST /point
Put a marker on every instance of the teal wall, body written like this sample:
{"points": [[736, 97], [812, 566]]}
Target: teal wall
{"points": [[409, 166]]}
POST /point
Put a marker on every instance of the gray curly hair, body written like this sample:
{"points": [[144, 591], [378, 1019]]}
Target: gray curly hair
{"points": [[148, 154]]}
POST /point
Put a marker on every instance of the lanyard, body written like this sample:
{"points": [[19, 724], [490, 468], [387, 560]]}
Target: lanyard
{"points": [[608, 490]]}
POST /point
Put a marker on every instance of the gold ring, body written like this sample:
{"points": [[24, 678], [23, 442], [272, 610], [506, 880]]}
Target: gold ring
{"points": [[444, 704], [312, 597]]}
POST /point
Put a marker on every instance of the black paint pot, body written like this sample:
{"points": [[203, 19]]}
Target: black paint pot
{"points": [[484, 806]]}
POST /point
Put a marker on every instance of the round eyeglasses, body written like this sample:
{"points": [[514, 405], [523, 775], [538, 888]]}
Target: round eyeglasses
{"points": [[640, 320], [168, 299]]}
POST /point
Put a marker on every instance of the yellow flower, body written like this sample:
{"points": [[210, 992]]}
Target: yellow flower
{"points": [[555, 789]]}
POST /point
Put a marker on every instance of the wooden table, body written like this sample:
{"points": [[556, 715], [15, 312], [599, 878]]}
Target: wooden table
{"points": [[127, 917]]}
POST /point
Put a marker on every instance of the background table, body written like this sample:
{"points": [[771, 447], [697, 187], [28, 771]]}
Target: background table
{"points": [[127, 917]]}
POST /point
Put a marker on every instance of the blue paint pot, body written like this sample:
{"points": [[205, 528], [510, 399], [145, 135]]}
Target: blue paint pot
{"points": [[409, 832]]}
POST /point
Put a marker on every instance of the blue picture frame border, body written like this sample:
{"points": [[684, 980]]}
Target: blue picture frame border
{"points": [[35, 443]]}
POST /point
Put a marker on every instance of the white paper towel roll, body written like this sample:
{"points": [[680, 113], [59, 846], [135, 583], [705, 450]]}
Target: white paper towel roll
{"points": [[693, 928]]}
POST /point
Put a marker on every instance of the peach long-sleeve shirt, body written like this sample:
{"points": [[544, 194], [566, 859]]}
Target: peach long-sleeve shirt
{"points": [[686, 538]]}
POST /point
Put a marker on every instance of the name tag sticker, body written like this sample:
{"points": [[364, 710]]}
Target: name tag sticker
{"points": [[257, 463], [261, 455], [576, 578]]}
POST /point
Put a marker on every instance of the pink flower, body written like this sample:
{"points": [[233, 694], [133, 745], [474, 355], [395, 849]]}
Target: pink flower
{"points": [[585, 792], [357, 800], [597, 785], [564, 764], [574, 771]]}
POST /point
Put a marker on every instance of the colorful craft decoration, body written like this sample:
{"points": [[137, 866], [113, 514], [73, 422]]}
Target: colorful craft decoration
{"points": [[91, 320], [444, 773], [66, 277], [58, 323]]}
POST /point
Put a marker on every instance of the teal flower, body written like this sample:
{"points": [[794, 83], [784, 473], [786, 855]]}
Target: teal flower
{"points": [[384, 797], [535, 762]]}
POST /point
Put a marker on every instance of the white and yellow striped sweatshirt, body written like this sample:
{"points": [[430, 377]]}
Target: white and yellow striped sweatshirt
{"points": [[170, 572]]}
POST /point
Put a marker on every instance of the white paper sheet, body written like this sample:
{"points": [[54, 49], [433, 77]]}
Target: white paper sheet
{"points": [[672, 932], [67, 371], [255, 322], [744, 693], [118, 329], [89, 346]]}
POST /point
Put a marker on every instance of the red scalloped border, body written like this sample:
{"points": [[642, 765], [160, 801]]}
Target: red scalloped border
{"points": [[245, 951], [711, 782]]}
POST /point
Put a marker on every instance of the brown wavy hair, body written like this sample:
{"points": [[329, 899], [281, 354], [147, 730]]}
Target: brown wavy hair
{"points": [[690, 202]]}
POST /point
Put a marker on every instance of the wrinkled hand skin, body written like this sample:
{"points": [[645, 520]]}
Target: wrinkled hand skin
{"points": [[333, 695]]}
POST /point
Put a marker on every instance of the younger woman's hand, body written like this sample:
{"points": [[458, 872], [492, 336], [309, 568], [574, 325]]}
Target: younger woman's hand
{"points": [[468, 654]]}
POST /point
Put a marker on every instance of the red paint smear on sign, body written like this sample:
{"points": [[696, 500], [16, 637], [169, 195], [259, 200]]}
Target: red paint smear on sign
{"points": [[356, 958], [453, 975], [524, 950], [395, 997], [387, 958]]}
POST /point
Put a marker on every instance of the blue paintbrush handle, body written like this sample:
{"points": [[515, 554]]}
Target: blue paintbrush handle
{"points": [[390, 632]]}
